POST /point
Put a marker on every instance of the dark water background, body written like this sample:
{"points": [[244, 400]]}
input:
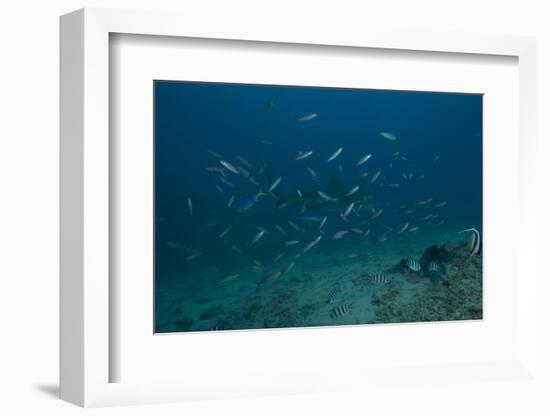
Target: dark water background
{"points": [[236, 119]]}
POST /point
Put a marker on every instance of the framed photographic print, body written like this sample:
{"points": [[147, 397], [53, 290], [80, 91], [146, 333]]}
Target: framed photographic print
{"points": [[288, 206], [271, 213]]}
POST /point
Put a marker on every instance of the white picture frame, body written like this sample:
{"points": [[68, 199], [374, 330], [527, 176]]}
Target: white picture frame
{"points": [[85, 211]]}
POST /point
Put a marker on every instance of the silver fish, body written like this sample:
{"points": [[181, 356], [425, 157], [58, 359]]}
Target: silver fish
{"points": [[230, 202], [190, 205], [245, 162], [295, 226], [299, 192], [377, 214], [215, 154], [303, 155], [441, 204], [375, 177], [322, 223], [313, 174], [326, 197], [413, 229], [193, 256], [403, 228], [279, 257], [387, 135], [257, 237], [243, 171], [340, 234], [335, 154], [348, 209], [308, 117], [292, 242], [425, 201], [226, 182], [352, 190], [312, 244], [287, 269], [224, 232], [280, 229], [275, 183], [229, 278], [229, 167], [363, 159]]}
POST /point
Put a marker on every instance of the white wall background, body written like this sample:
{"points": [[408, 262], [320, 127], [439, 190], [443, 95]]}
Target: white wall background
{"points": [[29, 205]]}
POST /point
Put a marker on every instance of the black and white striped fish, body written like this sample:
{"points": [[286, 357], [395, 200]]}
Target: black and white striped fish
{"points": [[379, 279], [412, 264], [333, 294], [217, 328], [341, 310], [434, 267]]}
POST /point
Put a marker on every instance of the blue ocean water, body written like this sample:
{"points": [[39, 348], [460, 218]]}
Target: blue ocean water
{"points": [[208, 271]]}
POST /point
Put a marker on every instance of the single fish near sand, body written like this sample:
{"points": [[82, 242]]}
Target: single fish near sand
{"points": [[412, 264], [275, 183], [308, 117], [190, 206], [333, 293], [474, 244], [379, 279], [304, 155], [335, 154], [363, 160], [341, 311], [229, 167], [387, 135]]}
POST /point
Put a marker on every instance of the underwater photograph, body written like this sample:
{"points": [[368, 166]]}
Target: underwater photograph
{"points": [[288, 206]]}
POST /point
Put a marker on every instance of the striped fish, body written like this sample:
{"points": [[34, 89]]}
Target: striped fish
{"points": [[379, 279], [434, 267], [412, 264], [333, 294], [435, 271], [341, 310], [217, 328]]}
